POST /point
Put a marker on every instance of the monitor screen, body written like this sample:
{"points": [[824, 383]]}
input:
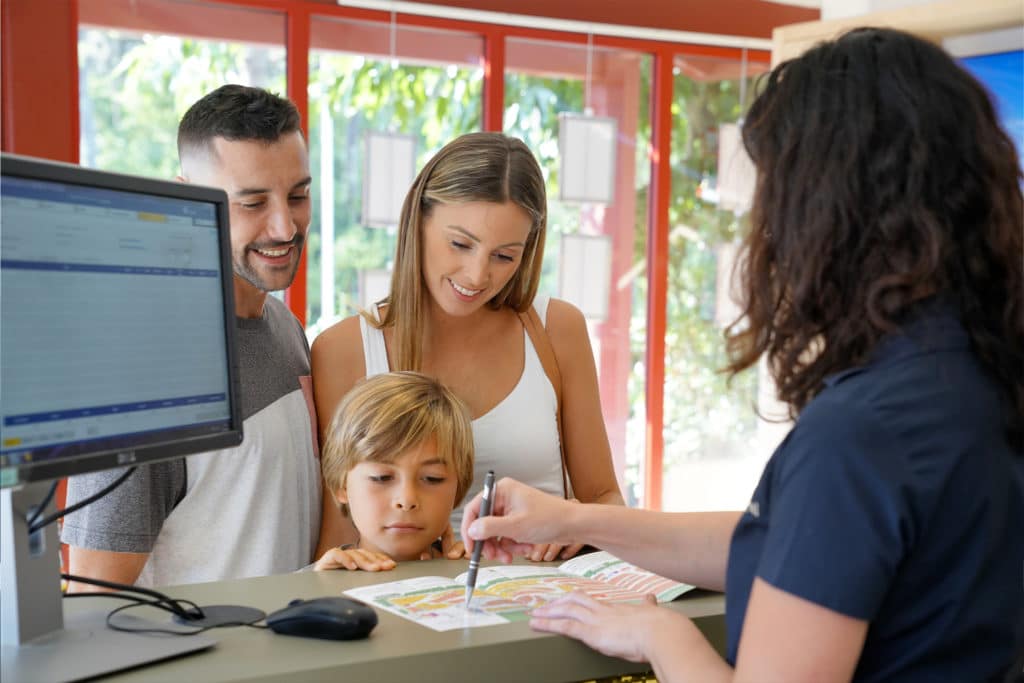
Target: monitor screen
{"points": [[116, 321], [1003, 74], [996, 59]]}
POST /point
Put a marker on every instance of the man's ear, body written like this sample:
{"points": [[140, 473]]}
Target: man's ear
{"points": [[341, 495]]}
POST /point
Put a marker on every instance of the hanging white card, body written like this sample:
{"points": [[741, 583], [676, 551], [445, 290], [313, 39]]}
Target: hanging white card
{"points": [[388, 173], [736, 173], [585, 273], [586, 154], [374, 285], [727, 285]]}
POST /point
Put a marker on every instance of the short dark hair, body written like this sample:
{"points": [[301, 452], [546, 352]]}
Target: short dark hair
{"points": [[884, 181], [236, 112]]}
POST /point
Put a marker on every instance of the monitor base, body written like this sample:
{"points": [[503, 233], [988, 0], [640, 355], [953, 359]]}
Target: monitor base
{"points": [[86, 648]]}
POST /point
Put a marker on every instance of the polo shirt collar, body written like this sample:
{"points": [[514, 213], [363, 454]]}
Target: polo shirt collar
{"points": [[929, 327]]}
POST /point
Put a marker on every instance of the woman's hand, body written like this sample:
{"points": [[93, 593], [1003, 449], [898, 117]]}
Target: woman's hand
{"points": [[618, 630], [520, 517], [549, 552], [455, 550], [353, 559], [450, 547]]}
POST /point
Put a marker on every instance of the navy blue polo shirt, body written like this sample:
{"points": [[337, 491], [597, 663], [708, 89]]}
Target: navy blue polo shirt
{"points": [[897, 499]]}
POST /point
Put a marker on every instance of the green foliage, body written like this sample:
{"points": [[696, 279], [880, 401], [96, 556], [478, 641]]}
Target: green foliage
{"points": [[135, 88], [705, 416]]}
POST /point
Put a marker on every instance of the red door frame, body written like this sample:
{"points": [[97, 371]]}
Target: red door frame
{"points": [[27, 70]]}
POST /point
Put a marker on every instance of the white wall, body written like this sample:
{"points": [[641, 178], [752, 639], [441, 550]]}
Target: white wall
{"points": [[837, 9]]}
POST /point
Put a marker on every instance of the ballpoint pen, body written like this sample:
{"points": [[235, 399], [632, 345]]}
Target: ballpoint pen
{"points": [[474, 560]]}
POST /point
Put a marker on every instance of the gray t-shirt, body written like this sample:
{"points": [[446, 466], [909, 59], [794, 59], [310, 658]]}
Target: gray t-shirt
{"points": [[192, 513]]}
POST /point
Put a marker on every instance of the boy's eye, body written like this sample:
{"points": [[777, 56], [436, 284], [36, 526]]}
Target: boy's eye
{"points": [[380, 478], [252, 205], [298, 198]]}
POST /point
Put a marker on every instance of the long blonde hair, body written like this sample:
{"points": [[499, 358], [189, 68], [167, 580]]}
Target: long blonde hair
{"points": [[487, 167]]}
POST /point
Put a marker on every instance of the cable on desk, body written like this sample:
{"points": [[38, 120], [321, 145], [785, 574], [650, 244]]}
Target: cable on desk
{"points": [[136, 601]]}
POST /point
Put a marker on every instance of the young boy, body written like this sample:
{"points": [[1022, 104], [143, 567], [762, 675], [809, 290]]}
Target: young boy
{"points": [[398, 457]]}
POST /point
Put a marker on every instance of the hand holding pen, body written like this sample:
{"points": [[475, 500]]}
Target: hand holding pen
{"points": [[517, 516], [474, 560]]}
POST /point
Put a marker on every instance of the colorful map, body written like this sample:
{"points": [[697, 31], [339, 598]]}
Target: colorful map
{"points": [[507, 593]]}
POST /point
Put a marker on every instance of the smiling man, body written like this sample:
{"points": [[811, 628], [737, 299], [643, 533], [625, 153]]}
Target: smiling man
{"points": [[255, 509]]}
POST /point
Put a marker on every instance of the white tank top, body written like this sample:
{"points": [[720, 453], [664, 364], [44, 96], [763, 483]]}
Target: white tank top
{"points": [[517, 438]]}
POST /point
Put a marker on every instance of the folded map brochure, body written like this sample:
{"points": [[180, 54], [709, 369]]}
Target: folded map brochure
{"points": [[507, 593]]}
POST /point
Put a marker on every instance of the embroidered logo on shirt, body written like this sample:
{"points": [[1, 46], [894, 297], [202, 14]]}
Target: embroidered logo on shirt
{"points": [[754, 509]]}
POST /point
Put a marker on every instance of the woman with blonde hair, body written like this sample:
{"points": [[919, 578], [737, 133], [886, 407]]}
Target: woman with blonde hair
{"points": [[463, 295]]}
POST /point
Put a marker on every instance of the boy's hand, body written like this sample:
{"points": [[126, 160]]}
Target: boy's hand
{"points": [[353, 559]]}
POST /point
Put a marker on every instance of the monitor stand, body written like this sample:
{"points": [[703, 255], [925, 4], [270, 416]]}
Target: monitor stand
{"points": [[36, 643]]}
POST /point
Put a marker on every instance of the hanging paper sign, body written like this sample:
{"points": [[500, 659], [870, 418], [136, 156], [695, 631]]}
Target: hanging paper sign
{"points": [[585, 274], [586, 151], [736, 173], [389, 171]]}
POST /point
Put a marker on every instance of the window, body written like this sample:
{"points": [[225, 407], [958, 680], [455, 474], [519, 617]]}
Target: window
{"points": [[542, 80], [142, 63], [372, 77], [715, 447]]}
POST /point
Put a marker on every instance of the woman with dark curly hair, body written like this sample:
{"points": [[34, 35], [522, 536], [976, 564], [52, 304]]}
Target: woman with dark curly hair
{"points": [[884, 279]]}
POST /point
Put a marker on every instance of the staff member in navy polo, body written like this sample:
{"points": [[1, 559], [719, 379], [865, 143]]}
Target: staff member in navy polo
{"points": [[883, 277]]}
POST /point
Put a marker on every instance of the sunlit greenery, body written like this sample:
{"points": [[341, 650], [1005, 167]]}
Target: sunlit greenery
{"points": [[703, 416], [135, 88]]}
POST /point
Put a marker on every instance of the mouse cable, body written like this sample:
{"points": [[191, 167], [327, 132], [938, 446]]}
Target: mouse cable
{"points": [[161, 600], [34, 526], [138, 602]]}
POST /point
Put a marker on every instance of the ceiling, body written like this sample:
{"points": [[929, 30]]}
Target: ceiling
{"points": [[753, 18]]}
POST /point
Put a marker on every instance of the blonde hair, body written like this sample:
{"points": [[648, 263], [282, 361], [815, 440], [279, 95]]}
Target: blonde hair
{"points": [[477, 167], [384, 416]]}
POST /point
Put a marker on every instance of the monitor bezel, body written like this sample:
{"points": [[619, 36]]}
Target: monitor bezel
{"points": [[164, 446]]}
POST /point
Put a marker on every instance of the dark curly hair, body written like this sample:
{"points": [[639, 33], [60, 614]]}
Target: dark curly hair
{"points": [[884, 181], [236, 112]]}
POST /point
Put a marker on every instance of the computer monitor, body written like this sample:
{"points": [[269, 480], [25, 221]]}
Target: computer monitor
{"points": [[996, 59], [116, 348]]}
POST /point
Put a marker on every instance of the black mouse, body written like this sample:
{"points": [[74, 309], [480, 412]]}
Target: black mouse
{"points": [[330, 618]]}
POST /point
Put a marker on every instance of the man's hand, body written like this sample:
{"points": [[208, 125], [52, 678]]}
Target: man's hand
{"points": [[520, 517], [353, 559]]}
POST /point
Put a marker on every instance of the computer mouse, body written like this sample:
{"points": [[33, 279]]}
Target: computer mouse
{"points": [[333, 618]]}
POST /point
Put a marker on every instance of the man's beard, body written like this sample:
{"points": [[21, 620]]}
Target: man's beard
{"points": [[253, 276]]}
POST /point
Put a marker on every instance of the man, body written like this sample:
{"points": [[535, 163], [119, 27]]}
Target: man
{"points": [[251, 510]]}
